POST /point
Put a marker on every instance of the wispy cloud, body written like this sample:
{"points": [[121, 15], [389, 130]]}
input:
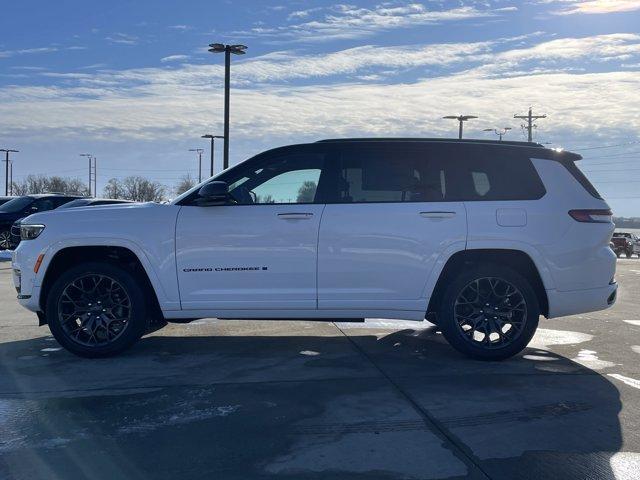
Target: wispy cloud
{"points": [[182, 28], [26, 51], [123, 38], [348, 21], [174, 58], [172, 102], [595, 6]]}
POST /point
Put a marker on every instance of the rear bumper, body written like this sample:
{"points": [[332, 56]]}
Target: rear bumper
{"points": [[574, 302]]}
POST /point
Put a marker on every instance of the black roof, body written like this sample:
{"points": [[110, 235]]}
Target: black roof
{"points": [[432, 140], [538, 148]]}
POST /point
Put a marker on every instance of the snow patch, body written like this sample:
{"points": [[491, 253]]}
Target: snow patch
{"points": [[632, 382], [633, 322], [589, 359]]}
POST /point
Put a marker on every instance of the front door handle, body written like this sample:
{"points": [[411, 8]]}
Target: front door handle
{"points": [[295, 216], [437, 214]]}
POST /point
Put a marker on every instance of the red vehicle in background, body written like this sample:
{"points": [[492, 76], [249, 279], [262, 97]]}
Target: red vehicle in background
{"points": [[623, 243]]}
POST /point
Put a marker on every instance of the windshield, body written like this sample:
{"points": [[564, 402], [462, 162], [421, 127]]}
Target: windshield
{"points": [[81, 202], [16, 205]]}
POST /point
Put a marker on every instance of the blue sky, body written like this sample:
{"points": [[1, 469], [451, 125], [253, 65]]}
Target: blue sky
{"points": [[132, 82]]}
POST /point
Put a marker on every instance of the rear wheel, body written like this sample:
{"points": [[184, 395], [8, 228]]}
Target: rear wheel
{"points": [[628, 253], [96, 310], [489, 312]]}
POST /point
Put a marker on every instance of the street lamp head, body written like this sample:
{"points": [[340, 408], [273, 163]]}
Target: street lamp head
{"points": [[488, 130], [460, 118], [237, 49], [217, 47], [506, 128], [211, 136], [222, 48]]}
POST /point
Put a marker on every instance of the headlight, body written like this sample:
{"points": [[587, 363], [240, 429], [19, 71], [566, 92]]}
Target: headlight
{"points": [[29, 232]]}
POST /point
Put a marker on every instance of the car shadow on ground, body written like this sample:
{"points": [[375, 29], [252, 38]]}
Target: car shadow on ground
{"points": [[365, 404]]}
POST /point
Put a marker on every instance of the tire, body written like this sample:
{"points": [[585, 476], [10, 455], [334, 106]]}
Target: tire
{"points": [[628, 254], [71, 313], [5, 240], [462, 315]]}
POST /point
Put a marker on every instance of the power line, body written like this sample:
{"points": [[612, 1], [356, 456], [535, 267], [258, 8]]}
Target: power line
{"points": [[635, 142]]}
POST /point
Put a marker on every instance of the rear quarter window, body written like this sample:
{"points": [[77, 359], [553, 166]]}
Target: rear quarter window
{"points": [[491, 174]]}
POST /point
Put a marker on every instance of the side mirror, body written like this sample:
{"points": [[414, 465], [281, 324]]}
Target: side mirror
{"points": [[214, 193]]}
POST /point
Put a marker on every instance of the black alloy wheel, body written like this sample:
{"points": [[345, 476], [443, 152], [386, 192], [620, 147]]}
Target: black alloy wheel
{"points": [[96, 309], [489, 312]]}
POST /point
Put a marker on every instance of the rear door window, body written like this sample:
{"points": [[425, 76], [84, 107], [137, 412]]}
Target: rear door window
{"points": [[388, 173]]}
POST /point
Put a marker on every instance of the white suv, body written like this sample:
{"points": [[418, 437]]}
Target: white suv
{"points": [[480, 237]]}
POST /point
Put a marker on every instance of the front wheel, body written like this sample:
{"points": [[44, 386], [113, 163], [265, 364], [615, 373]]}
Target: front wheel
{"points": [[489, 312], [5, 240], [96, 310]]}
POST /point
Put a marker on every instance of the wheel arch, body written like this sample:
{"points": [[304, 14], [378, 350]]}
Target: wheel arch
{"points": [[514, 258], [115, 254]]}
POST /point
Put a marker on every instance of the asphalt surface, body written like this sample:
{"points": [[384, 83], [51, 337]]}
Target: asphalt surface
{"points": [[306, 400]]}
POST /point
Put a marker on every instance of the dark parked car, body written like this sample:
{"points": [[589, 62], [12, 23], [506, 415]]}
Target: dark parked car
{"points": [[20, 207], [73, 203], [625, 243]]}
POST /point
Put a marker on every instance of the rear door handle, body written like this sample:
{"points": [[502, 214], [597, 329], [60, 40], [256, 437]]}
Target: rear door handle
{"points": [[295, 216], [438, 214]]}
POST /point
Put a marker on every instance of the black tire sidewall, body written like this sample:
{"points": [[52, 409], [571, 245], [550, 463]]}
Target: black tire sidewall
{"points": [[451, 331], [137, 323]]}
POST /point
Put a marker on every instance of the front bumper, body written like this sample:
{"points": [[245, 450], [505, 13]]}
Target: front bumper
{"points": [[25, 280]]}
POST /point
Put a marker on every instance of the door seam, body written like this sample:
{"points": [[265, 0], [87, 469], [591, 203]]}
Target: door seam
{"points": [[318, 257]]}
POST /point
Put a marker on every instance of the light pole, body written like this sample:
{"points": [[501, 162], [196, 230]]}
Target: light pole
{"points": [[212, 137], [461, 119], [92, 172], [502, 132], [199, 152], [227, 50], [7, 151]]}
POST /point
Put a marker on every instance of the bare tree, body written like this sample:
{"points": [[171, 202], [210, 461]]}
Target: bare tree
{"points": [[113, 189], [33, 184], [136, 188], [307, 192], [184, 184]]}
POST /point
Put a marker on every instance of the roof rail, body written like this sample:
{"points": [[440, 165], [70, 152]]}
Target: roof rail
{"points": [[432, 140]]}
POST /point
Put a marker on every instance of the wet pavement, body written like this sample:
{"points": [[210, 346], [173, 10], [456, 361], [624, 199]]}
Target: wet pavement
{"points": [[307, 400]]}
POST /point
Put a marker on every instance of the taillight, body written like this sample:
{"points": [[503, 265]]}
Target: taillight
{"points": [[592, 216]]}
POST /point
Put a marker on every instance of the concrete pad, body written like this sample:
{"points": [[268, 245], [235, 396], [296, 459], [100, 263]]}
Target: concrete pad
{"points": [[354, 428]]}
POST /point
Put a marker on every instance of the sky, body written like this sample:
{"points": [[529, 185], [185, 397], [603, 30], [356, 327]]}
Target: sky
{"points": [[132, 82]]}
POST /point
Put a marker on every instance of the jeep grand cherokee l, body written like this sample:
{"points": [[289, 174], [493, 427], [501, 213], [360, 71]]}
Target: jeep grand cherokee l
{"points": [[482, 237]]}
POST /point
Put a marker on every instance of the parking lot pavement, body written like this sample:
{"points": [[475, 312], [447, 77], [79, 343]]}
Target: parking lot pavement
{"points": [[307, 400]]}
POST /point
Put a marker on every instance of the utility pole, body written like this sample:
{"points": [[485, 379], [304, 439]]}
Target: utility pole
{"points": [[212, 137], [227, 50], [11, 178], [530, 118], [199, 152], [93, 173], [7, 151], [461, 119]]}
